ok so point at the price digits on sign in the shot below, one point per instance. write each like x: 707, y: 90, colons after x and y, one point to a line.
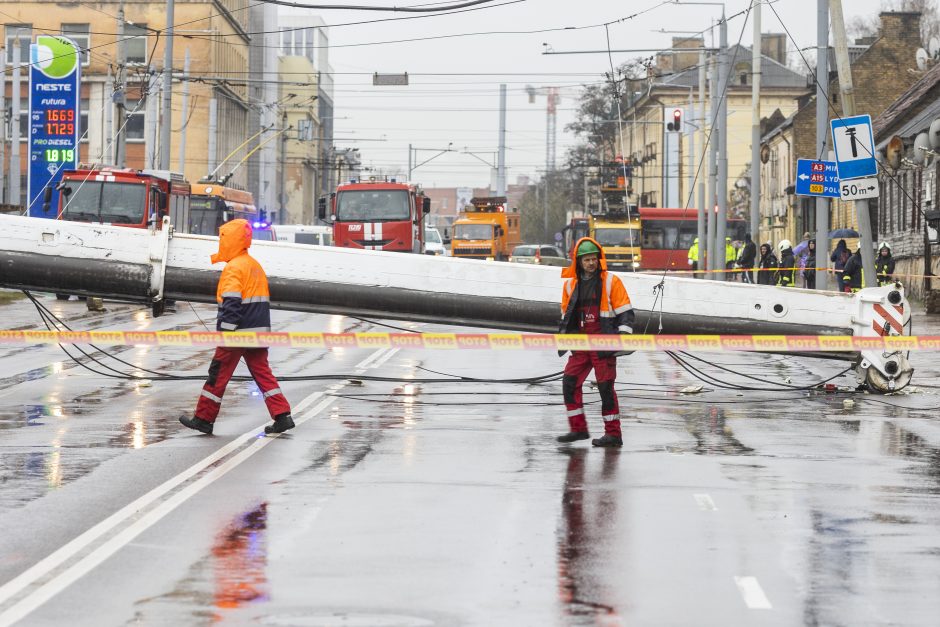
x: 55, y: 155
x: 60, y: 121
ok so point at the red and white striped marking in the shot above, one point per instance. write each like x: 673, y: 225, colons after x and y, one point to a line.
x: 888, y: 319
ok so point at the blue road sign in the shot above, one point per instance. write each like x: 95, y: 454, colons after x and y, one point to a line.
x: 817, y: 178
x: 854, y: 147
x: 54, y: 83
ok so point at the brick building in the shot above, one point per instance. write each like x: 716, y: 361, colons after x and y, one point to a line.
x: 881, y: 71
x: 909, y: 192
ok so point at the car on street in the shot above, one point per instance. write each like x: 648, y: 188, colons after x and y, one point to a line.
x: 538, y: 254
x: 433, y: 243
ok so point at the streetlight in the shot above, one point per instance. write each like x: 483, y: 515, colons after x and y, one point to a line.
x: 414, y: 151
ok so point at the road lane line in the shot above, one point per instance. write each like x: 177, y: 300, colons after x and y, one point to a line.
x: 752, y: 593
x: 705, y: 503
x: 69, y: 550
x: 112, y: 546
x: 381, y: 361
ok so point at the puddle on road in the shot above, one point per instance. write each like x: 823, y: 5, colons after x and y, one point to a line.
x: 588, y: 520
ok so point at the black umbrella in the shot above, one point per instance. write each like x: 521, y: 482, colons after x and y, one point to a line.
x: 840, y: 233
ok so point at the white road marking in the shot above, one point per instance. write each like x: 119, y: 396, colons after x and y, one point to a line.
x: 69, y: 550
x: 705, y: 503
x: 381, y: 361
x: 752, y: 593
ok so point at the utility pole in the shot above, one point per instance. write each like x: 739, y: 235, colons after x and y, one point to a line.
x: 822, y: 132
x: 150, y: 123
x: 724, y: 77
x: 15, y: 124
x: 713, y: 170
x: 410, y: 163
x: 282, y: 178
x: 167, y: 113
x: 183, y: 116
x: 702, y: 244
x: 755, y: 121
x: 3, y: 128
x: 120, y: 94
x: 848, y: 109
x: 501, y: 157
x: 212, y: 149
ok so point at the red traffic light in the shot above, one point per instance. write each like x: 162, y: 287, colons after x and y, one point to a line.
x: 676, y: 120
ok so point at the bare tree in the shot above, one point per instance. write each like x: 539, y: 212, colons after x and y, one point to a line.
x: 861, y: 26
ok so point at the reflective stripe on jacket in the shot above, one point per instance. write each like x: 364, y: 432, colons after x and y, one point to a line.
x: 242, y: 293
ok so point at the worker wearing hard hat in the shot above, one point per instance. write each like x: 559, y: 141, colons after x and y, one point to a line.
x: 593, y: 301
x: 244, y: 305
x: 884, y: 265
x: 787, y: 272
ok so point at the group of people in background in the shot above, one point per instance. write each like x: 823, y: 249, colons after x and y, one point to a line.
x: 796, y: 265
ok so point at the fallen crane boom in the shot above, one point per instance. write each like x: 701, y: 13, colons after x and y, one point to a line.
x: 152, y: 265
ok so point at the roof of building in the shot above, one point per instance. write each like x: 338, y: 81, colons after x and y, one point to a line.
x: 905, y: 101
x: 773, y: 74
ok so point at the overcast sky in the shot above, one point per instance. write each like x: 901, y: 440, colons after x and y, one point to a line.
x: 454, y: 82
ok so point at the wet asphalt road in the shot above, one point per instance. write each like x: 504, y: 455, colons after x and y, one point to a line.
x: 400, y: 504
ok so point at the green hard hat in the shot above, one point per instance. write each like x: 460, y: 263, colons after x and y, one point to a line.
x: 588, y: 248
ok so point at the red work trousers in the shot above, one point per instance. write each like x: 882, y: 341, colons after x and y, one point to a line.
x: 577, y: 369
x: 220, y: 373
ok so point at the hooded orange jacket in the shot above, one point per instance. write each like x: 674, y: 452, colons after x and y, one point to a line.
x: 616, y: 310
x: 242, y: 293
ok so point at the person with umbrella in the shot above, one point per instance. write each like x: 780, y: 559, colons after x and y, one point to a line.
x: 839, y: 257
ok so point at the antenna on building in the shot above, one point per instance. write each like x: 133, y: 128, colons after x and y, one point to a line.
x: 922, y: 57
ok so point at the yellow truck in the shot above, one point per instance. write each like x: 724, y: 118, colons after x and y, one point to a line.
x: 619, y: 233
x: 485, y: 230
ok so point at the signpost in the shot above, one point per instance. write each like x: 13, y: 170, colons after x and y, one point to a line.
x: 859, y: 189
x: 854, y: 147
x: 817, y: 178
x: 54, y: 83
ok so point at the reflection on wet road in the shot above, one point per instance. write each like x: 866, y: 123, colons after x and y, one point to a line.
x: 409, y: 502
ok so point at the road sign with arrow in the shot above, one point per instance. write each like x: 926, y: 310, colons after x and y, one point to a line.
x: 859, y: 189
x: 817, y: 178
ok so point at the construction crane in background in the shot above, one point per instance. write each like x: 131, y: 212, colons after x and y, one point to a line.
x: 553, y: 97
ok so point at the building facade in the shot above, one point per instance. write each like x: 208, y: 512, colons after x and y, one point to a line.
x: 882, y: 69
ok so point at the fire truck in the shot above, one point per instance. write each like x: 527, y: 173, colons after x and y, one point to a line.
x: 125, y: 197
x: 377, y: 215
x: 485, y: 230
x: 616, y: 226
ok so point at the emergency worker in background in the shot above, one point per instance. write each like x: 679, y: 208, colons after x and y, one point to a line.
x: 244, y: 305
x: 592, y: 301
x: 746, y: 257
x: 767, y: 265
x: 693, y: 257
x: 785, y: 275
x: 884, y: 265
x: 852, y: 274
x: 730, y: 256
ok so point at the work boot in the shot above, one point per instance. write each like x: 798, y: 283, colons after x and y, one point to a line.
x: 281, y: 424
x: 197, y: 423
x: 573, y: 436
x: 608, y: 440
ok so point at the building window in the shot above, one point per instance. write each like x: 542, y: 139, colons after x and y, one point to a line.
x: 298, y: 42
x: 135, y: 43
x: 24, y: 34
x: 135, y: 126
x: 81, y: 35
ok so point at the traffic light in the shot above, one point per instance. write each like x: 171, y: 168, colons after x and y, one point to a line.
x: 676, y: 123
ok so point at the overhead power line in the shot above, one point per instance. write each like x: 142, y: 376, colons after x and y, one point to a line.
x: 352, y: 7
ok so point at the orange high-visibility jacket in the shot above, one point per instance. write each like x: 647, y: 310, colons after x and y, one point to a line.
x: 242, y: 294
x: 616, y: 310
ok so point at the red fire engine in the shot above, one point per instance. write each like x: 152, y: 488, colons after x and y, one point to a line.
x: 125, y: 197
x: 377, y: 215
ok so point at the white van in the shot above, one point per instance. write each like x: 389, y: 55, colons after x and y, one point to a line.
x: 303, y: 234
x: 433, y: 244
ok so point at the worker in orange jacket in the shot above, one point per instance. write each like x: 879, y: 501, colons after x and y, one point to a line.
x: 593, y: 300
x: 244, y: 305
